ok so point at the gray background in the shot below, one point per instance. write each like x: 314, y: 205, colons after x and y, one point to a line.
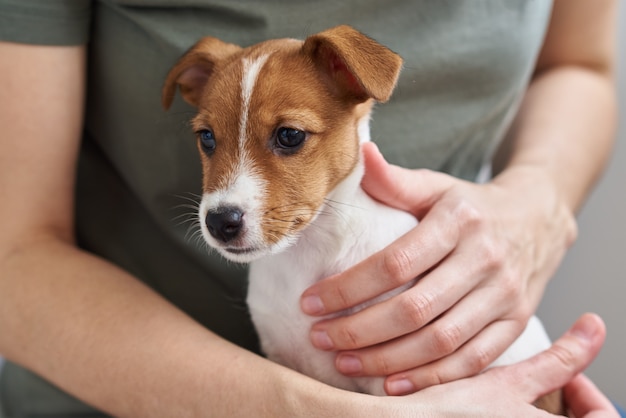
x: 593, y: 275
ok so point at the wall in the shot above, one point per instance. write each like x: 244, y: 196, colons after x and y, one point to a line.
x: 593, y: 276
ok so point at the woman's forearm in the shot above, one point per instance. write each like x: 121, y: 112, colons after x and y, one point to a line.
x: 564, y: 132
x: 565, y: 127
x: 102, y: 335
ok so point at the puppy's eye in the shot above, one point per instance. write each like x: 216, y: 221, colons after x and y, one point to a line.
x: 289, y: 137
x: 207, y: 141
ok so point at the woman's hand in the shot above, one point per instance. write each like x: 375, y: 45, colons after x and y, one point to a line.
x: 484, y: 254
x: 508, y: 391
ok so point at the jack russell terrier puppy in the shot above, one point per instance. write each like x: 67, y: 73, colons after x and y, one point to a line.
x: 279, y: 128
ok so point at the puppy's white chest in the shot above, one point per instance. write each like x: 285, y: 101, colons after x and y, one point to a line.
x: 327, y: 247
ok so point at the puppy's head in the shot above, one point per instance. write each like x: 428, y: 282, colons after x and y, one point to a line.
x: 277, y: 129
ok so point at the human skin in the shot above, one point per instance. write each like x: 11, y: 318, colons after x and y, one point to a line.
x: 485, y: 251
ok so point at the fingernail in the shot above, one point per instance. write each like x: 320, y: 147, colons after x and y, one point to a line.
x: 312, y: 305
x: 348, y: 364
x: 585, y: 329
x: 321, y: 340
x: 400, y: 387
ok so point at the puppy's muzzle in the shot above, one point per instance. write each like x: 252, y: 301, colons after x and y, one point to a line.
x: 225, y: 223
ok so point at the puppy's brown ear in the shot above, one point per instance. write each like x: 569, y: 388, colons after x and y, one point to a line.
x: 193, y: 70
x: 356, y: 66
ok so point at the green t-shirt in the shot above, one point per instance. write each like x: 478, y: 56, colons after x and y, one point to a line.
x: 467, y: 63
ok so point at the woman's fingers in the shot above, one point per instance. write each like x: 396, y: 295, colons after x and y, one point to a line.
x: 393, y: 267
x: 415, y: 354
x: 403, y: 314
x: 584, y: 399
x: 470, y: 359
x: 435, y: 293
x: 555, y: 367
x: 409, y: 190
x: 511, y: 390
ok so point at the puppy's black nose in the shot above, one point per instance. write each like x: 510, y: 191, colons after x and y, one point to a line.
x: 224, y: 224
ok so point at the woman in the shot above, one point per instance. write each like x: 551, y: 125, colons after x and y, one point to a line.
x: 103, y: 295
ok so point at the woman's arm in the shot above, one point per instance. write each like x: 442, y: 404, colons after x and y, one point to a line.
x: 79, y: 321
x: 486, y: 251
x: 565, y: 128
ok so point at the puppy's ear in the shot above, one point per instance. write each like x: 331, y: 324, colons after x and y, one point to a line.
x: 193, y: 70
x: 356, y: 66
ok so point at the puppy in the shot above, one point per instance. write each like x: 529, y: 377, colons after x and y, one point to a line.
x: 279, y: 128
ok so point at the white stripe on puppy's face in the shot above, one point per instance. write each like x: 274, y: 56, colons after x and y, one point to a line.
x: 251, y: 69
x: 244, y: 187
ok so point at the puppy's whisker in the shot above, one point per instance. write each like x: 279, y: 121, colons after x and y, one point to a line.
x: 194, y: 231
x: 188, y: 215
x: 332, y: 203
x: 188, y: 211
x: 192, y: 199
